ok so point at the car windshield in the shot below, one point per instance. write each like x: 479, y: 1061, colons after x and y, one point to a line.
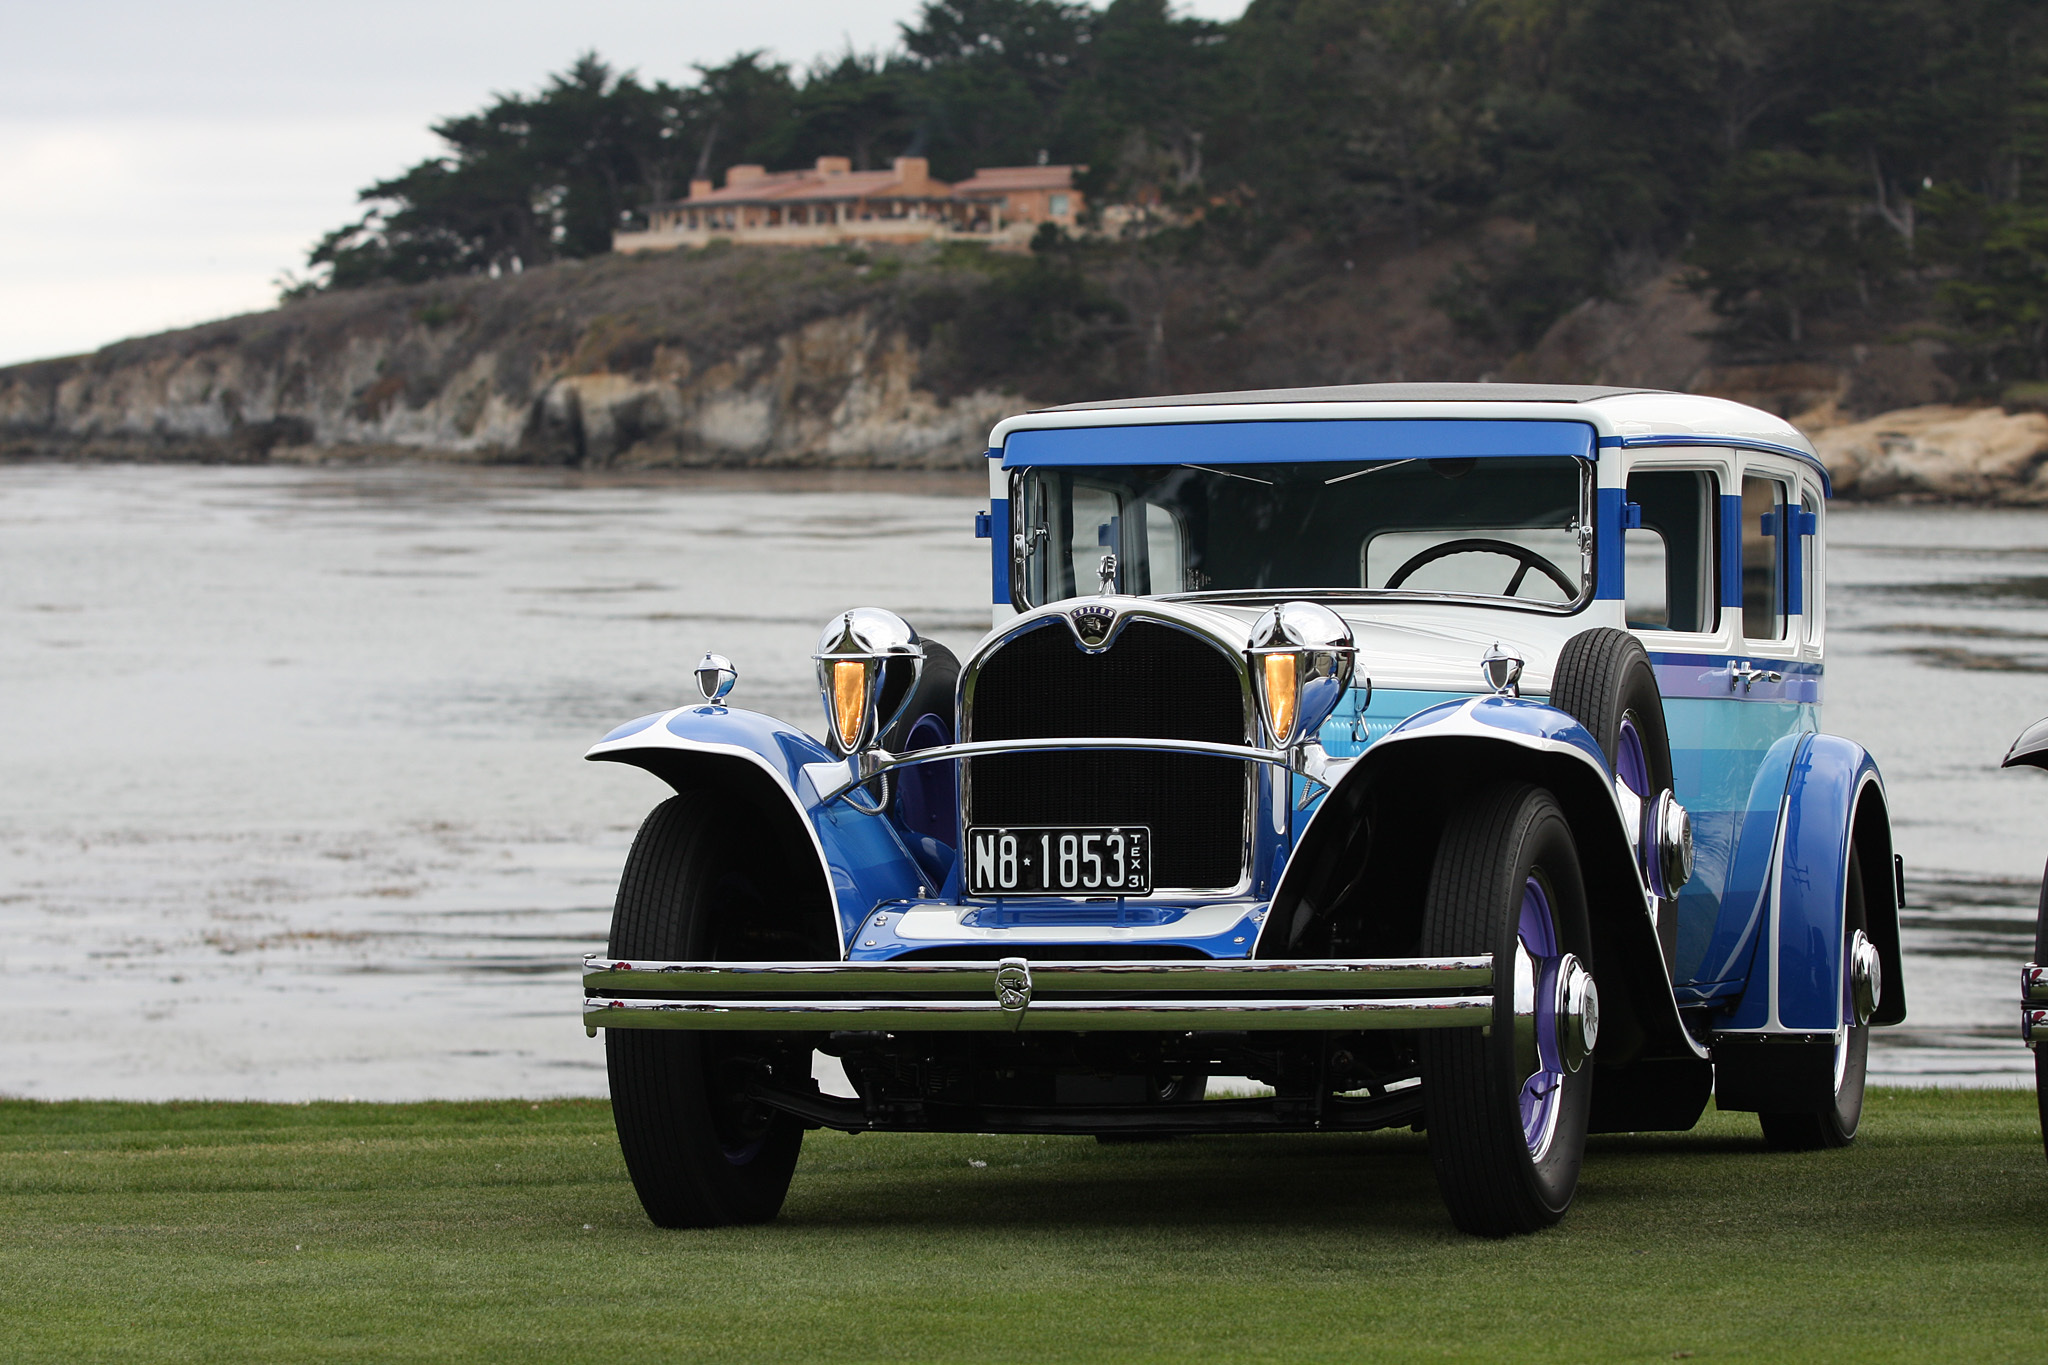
x: 1495, y: 527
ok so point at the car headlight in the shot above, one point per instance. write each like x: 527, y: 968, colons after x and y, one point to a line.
x: 868, y: 664
x: 1301, y: 657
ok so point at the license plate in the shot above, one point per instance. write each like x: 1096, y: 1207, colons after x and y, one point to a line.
x: 1102, y: 860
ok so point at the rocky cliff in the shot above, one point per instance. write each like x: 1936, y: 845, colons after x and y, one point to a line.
x: 742, y: 360
x: 896, y: 358
x: 899, y: 358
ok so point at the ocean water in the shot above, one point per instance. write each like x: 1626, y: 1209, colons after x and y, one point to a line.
x: 291, y: 799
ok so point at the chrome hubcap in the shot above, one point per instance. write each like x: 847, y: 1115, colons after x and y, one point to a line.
x: 1866, y: 978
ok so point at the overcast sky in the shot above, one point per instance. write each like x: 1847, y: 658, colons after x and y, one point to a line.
x: 162, y: 163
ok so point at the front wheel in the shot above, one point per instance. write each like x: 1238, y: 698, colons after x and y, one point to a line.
x: 1507, y: 1106
x: 701, y: 1152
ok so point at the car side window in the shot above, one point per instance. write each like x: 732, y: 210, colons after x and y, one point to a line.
x: 1669, y: 559
x: 1763, y: 559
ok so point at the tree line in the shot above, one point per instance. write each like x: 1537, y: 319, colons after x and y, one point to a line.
x: 1813, y: 162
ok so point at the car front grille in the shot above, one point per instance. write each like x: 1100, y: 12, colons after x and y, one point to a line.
x: 1154, y: 682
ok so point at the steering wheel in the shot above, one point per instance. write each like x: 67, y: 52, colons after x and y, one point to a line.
x: 1524, y: 556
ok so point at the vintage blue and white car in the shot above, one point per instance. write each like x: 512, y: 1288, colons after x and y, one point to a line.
x: 2030, y: 750
x: 1441, y: 755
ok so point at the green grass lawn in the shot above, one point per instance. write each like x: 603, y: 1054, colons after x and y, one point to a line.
x: 508, y: 1231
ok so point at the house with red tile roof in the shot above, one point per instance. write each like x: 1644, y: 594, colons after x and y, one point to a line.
x: 1026, y: 194
x: 832, y: 203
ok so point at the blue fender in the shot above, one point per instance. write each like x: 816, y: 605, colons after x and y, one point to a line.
x: 861, y: 856
x: 1833, y: 800
x: 1532, y: 740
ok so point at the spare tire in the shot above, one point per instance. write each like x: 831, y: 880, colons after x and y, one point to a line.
x: 1604, y: 681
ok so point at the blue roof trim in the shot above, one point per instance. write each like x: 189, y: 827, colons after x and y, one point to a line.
x: 1662, y: 439
x: 1308, y: 439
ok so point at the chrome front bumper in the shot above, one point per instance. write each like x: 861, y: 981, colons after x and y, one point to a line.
x: 1014, y: 994
x: 2034, y: 1004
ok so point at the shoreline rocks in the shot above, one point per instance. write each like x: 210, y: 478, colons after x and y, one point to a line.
x: 1937, y: 453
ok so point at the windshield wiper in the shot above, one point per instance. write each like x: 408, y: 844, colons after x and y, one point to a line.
x: 1374, y: 469
x: 1228, y: 474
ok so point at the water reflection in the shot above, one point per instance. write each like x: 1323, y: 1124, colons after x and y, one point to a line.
x: 291, y: 805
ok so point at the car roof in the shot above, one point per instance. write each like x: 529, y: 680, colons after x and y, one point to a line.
x: 1630, y: 418
x: 1371, y: 393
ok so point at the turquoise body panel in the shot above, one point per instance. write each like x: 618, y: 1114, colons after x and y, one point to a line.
x: 1355, y: 724
x: 1731, y: 757
x: 1729, y: 761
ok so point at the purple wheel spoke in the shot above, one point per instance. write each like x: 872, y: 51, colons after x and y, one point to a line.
x: 1631, y: 765
x: 1536, y: 929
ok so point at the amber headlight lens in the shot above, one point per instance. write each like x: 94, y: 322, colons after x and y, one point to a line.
x: 849, y: 701
x: 868, y: 661
x: 1280, y: 695
x: 1301, y: 656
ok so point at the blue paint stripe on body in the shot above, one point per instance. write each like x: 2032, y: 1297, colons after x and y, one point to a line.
x: 999, y: 549
x: 1731, y: 550
x: 1286, y: 442
x: 1608, y: 507
x: 1709, y: 676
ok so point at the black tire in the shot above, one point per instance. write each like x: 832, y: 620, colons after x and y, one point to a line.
x: 1834, y: 1126
x: 701, y: 1154
x: 2041, y: 1090
x: 1496, y: 1180
x: 924, y: 798
x: 1604, y: 681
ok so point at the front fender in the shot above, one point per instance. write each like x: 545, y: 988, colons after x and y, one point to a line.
x: 1834, y: 800
x: 1435, y: 756
x: 839, y: 856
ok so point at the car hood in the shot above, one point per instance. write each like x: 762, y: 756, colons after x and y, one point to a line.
x: 1425, y: 646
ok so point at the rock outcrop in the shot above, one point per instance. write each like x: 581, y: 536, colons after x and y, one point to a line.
x: 762, y: 357
x: 809, y: 367
x: 1939, y: 453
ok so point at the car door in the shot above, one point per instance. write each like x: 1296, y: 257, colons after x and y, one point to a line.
x: 1720, y: 591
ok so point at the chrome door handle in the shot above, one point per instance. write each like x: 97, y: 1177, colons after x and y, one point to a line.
x: 1744, y: 674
